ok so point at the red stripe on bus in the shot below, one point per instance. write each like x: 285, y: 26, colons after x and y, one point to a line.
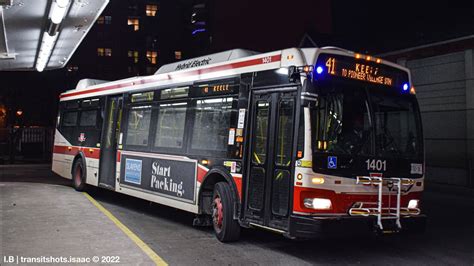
x: 238, y: 184
x: 89, y: 152
x: 201, y: 173
x: 257, y: 61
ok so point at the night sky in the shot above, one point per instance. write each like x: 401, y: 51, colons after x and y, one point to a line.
x: 380, y: 26
x: 363, y: 26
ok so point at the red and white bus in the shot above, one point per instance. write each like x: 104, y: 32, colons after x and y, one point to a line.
x: 303, y: 142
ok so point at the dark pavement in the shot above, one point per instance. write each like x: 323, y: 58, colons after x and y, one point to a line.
x: 449, y: 238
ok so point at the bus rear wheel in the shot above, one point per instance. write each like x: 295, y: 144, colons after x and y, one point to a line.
x: 78, y: 180
x: 225, y: 227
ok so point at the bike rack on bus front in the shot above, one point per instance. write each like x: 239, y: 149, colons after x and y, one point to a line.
x: 376, y: 208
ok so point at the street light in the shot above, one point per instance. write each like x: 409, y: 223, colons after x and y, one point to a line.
x: 19, y: 112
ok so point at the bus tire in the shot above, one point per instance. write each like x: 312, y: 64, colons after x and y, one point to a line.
x: 226, y: 228
x: 78, y: 178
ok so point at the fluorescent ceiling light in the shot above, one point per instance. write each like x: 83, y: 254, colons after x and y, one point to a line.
x: 47, y: 44
x: 58, y: 10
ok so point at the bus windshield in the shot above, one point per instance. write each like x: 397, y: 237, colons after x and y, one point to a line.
x: 357, y: 119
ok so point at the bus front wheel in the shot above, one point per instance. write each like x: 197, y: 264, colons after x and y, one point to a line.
x: 225, y: 227
x: 78, y: 180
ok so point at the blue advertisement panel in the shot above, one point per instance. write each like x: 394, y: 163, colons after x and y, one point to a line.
x: 133, y: 171
x: 170, y: 178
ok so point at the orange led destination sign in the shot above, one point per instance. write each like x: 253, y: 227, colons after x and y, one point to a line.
x: 366, y: 73
x: 359, y: 69
x: 218, y: 89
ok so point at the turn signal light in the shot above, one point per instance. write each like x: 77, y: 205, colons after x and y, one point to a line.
x: 317, y: 180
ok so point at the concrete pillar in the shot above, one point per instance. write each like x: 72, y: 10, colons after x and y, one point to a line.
x: 469, y: 68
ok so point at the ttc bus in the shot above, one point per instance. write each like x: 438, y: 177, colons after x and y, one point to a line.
x: 302, y: 142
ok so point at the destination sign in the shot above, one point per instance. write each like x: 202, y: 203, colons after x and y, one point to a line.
x: 220, y: 88
x: 359, y: 69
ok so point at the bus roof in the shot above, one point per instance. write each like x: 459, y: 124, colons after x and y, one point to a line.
x: 206, y: 60
x: 222, y: 64
x: 183, y: 73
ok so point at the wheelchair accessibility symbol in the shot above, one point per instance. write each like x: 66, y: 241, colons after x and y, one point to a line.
x: 332, y: 162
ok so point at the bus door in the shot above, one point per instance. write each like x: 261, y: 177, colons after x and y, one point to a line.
x: 108, y: 150
x: 271, y: 157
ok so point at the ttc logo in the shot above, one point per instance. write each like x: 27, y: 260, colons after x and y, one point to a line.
x: 82, y: 137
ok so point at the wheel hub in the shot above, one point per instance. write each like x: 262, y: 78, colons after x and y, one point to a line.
x: 217, y: 214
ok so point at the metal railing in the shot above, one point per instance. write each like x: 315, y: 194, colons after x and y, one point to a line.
x: 377, y: 208
x: 33, y: 143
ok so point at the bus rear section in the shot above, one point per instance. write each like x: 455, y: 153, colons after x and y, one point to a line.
x: 362, y: 164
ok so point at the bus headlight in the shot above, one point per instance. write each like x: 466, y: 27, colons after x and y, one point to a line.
x: 412, y: 204
x: 317, y: 203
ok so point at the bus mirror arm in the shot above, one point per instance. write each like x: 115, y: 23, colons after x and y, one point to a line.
x: 293, y: 74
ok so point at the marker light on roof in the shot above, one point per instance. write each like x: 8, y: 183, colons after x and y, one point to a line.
x: 405, y: 87
x: 319, y: 70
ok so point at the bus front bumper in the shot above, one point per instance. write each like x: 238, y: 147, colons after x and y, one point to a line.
x: 307, y: 227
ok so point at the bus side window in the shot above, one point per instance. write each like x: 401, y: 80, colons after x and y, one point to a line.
x: 138, y: 126
x: 170, y: 125
x: 69, y: 119
x: 88, y: 118
x: 212, y: 123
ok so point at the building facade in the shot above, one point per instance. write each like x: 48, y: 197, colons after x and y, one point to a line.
x: 135, y: 37
x: 129, y: 38
x: 443, y: 75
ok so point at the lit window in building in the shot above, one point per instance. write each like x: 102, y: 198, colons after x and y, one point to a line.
x: 151, y: 10
x: 151, y: 56
x: 177, y: 55
x: 100, y: 51
x: 134, y: 55
x: 108, y: 20
x: 134, y: 22
x: 108, y: 52
x: 100, y: 20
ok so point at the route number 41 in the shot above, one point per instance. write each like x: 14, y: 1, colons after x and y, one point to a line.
x: 379, y: 165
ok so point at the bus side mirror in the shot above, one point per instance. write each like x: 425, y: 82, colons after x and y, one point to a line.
x: 293, y: 74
